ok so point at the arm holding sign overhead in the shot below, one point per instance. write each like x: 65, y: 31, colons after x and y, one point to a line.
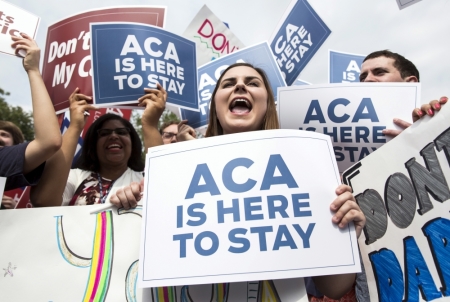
x: 154, y: 102
x: 47, y: 136
x: 50, y: 190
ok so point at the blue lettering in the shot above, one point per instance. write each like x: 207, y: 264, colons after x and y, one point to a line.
x: 364, y: 152
x: 183, y: 238
x: 234, y: 209
x: 179, y: 216
x: 297, y: 205
x: 351, y: 150
x: 438, y: 234
x: 280, y: 209
x: 239, y: 240
x: 198, y: 243
x: 305, y: 235
x: 345, y: 133
x: 262, y: 236
x: 249, y: 208
x: 371, y: 113
x: 339, y: 155
x: 276, y: 161
x: 362, y: 133
x: 331, y: 109
x: 314, y: 106
x: 210, y: 186
x: 279, y: 242
x: 388, y: 275
x: 333, y: 134
x: 378, y: 136
x: 196, y: 214
x: 227, y: 175
x: 417, y: 274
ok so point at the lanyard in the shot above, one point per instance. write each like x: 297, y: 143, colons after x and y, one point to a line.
x: 103, y: 197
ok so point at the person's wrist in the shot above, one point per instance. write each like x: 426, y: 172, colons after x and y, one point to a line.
x: 33, y: 71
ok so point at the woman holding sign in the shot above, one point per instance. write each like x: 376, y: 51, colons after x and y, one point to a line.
x: 243, y: 101
x: 110, y: 157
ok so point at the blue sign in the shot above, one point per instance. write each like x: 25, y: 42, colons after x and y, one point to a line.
x: 345, y: 67
x: 298, y: 39
x: 126, y: 58
x: 259, y: 55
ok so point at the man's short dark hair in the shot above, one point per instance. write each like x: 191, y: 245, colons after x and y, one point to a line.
x: 167, y: 124
x: 15, y: 132
x: 403, y: 65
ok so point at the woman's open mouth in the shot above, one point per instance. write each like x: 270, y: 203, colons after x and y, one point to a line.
x: 240, y: 106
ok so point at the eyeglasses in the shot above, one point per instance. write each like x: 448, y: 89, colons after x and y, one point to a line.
x: 168, y: 135
x: 119, y: 131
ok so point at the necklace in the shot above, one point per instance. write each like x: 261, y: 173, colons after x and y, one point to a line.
x: 103, y: 197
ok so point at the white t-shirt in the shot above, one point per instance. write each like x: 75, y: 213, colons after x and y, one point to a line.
x: 77, y: 176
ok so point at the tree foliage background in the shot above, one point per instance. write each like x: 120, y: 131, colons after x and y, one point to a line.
x: 15, y: 114
x: 136, y: 121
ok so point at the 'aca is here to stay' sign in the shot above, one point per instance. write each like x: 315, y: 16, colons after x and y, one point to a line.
x: 233, y: 214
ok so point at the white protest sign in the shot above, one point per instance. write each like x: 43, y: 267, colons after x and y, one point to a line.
x: 2, y: 186
x: 403, y: 190
x: 213, y: 38
x: 57, y: 253
x: 69, y: 254
x: 13, y: 21
x: 405, y: 3
x: 354, y: 115
x: 231, y: 214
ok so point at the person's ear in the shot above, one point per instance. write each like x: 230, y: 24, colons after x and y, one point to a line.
x: 411, y: 79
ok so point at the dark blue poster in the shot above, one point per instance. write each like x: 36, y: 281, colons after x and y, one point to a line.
x: 344, y: 67
x: 128, y: 57
x: 300, y: 34
x: 258, y: 55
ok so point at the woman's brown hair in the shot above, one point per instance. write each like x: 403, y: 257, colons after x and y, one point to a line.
x: 270, y: 118
x: 16, y: 134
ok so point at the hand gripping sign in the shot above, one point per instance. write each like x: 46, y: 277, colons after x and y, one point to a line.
x: 129, y: 57
x: 67, y: 60
x: 354, y: 115
x: 403, y: 190
x: 232, y: 214
x: 13, y: 21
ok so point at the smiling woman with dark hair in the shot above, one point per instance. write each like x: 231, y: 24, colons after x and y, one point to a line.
x: 89, y: 159
x: 110, y: 159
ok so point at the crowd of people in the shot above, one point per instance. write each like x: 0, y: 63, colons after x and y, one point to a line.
x: 110, y: 167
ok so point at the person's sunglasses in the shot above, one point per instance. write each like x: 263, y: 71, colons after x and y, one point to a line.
x: 119, y: 131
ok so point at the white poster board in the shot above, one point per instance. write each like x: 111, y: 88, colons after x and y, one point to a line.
x: 2, y: 187
x: 13, y: 21
x: 353, y: 114
x: 226, y: 213
x: 403, y: 189
x: 212, y: 37
x: 55, y: 254
x: 69, y: 254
